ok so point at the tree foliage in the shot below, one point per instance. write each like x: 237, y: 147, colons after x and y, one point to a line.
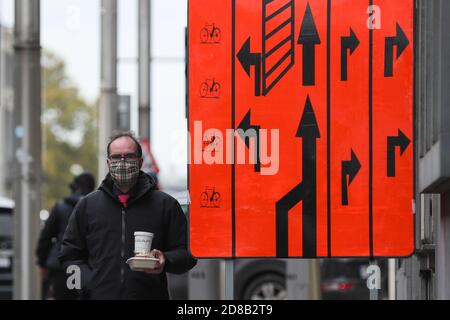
x: 69, y: 127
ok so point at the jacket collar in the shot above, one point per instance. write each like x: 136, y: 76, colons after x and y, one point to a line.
x: 144, y: 184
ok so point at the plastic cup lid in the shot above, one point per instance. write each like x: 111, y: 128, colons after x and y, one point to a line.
x: 142, y: 233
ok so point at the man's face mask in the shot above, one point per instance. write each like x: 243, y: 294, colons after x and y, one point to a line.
x: 124, y: 170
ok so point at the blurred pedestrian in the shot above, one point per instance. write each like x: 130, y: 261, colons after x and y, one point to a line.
x: 51, y: 236
x: 100, y: 235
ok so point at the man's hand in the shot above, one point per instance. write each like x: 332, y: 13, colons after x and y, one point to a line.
x: 159, y: 266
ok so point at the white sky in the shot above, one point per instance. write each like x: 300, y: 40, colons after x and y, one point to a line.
x: 71, y: 29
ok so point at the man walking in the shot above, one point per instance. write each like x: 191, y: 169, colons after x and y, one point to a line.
x: 51, y: 236
x: 100, y: 235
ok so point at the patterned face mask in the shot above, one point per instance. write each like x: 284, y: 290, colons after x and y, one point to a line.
x: 124, y: 172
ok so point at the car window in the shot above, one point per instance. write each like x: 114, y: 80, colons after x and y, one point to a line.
x: 341, y: 268
x: 6, y: 225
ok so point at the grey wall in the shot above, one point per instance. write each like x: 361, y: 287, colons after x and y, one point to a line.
x: 426, y: 275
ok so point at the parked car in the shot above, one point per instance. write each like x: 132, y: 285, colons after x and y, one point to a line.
x: 260, y: 279
x: 6, y: 248
x: 345, y: 279
x: 254, y: 278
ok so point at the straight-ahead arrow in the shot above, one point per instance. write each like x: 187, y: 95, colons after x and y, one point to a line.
x: 401, y: 42
x: 349, y: 43
x: 349, y: 169
x: 305, y: 191
x: 400, y: 141
x: 245, y: 133
x: 309, y: 38
x: 248, y: 59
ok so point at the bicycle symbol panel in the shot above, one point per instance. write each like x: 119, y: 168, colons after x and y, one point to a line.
x: 211, y: 144
x: 210, y: 34
x: 210, y: 88
x: 210, y: 198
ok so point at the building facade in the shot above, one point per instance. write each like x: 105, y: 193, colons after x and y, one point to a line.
x: 426, y: 274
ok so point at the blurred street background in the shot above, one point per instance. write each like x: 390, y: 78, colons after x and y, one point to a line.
x: 72, y: 71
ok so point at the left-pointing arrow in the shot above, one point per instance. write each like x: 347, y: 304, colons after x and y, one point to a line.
x: 309, y: 38
x: 349, y: 43
x: 349, y: 169
x: 247, y: 130
x: 248, y: 59
x: 400, y: 141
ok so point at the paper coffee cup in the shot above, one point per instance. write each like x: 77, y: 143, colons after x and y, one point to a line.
x: 142, y: 243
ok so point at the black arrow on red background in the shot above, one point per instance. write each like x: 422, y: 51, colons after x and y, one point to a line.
x: 248, y: 59
x: 244, y: 126
x: 401, y: 42
x: 400, y: 141
x: 349, y: 43
x: 309, y: 38
x: 305, y: 191
x: 349, y: 169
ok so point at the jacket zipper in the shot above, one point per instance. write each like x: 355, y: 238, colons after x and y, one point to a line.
x: 122, y: 271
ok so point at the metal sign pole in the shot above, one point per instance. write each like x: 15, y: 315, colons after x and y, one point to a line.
x: 107, y: 116
x: 229, y: 279
x: 144, y: 87
x: 374, y: 290
x: 28, y: 171
x: 391, y: 279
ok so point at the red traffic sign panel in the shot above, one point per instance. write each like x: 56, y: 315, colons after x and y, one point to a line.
x: 301, y: 128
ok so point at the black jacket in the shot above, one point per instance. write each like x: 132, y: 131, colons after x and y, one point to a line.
x: 49, y: 243
x: 93, y: 241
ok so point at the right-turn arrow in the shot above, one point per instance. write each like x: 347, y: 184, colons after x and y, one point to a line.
x: 400, y: 141
x: 401, y: 42
x: 349, y: 43
x: 248, y: 59
x: 349, y: 169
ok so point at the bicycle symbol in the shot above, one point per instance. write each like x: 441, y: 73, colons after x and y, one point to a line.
x: 210, y: 89
x: 210, y: 198
x: 211, y: 143
x: 210, y: 34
